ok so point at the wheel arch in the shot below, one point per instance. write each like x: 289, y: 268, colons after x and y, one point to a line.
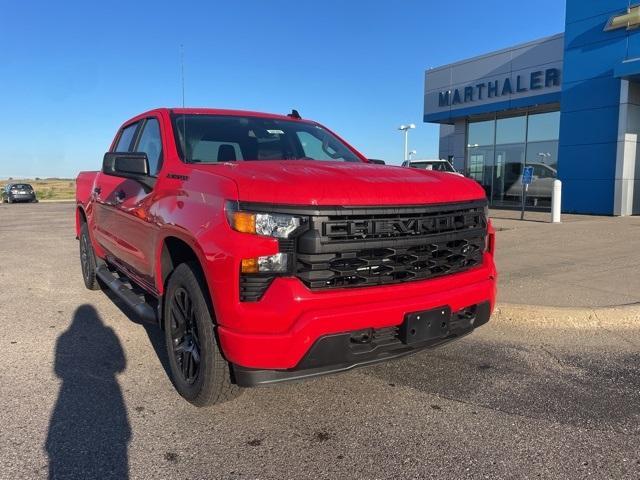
x: 81, y: 217
x: 173, y: 251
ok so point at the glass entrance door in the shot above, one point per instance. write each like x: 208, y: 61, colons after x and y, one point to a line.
x: 480, y: 153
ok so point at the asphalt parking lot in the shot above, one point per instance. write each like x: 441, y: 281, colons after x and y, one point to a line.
x: 85, y: 394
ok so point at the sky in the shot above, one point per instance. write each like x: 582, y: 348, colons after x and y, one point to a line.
x: 72, y: 72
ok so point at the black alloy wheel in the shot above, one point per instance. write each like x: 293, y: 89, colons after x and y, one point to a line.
x: 199, y: 371
x: 84, y: 257
x: 184, y: 335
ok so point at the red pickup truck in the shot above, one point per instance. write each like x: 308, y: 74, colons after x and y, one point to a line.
x: 269, y: 249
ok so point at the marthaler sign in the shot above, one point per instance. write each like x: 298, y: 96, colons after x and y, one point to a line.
x: 536, y: 80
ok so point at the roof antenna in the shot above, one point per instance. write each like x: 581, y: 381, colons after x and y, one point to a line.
x: 182, y: 70
x: 184, y: 118
x: 294, y: 114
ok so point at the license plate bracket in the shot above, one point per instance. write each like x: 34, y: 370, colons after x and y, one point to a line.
x: 424, y: 326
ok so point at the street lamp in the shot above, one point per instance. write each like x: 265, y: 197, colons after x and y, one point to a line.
x: 405, y: 129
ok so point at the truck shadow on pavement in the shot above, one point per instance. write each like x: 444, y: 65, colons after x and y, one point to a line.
x: 89, y: 429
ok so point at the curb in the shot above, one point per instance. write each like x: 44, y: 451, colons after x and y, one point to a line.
x: 570, y: 317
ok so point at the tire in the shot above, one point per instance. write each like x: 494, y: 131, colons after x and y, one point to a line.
x: 88, y: 260
x: 198, y: 370
x: 9, y: 200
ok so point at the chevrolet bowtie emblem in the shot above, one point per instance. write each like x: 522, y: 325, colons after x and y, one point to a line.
x: 629, y: 20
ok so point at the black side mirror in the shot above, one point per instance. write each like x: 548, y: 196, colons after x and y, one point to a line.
x: 376, y: 161
x: 133, y: 165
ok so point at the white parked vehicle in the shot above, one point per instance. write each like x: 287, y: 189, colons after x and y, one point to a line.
x: 437, y: 165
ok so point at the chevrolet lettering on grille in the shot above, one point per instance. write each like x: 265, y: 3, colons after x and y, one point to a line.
x: 398, y: 227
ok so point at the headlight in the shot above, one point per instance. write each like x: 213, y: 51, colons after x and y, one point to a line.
x: 278, y: 263
x: 276, y: 225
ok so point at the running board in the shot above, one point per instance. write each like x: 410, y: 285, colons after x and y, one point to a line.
x: 124, y: 293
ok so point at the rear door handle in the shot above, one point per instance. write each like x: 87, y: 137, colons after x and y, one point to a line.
x: 97, y: 190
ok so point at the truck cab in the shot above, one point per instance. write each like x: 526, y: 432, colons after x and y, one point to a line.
x: 271, y: 250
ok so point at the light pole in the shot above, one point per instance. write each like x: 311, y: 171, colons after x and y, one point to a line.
x: 405, y: 129
x: 411, y: 154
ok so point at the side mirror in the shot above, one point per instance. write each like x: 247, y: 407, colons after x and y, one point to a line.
x: 133, y: 165
x: 376, y: 161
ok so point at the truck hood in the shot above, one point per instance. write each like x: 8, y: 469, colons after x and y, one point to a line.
x: 302, y: 182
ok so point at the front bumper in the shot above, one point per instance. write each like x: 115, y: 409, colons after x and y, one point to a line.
x: 345, y: 351
x: 278, y: 332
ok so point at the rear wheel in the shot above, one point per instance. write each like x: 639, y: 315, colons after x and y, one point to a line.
x: 9, y: 199
x: 199, y: 372
x: 88, y: 260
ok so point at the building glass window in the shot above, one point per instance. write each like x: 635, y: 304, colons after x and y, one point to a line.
x: 498, y: 150
x: 481, y: 133
x: 543, y: 126
x: 481, y: 140
x: 511, y: 130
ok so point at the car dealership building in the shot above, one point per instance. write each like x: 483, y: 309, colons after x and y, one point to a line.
x: 567, y: 105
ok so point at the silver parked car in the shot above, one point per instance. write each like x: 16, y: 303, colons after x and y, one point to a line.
x: 541, y: 185
x: 437, y: 165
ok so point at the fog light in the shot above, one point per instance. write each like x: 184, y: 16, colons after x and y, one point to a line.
x: 277, y: 263
x: 249, y: 265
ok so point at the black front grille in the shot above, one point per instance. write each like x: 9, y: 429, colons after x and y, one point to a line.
x: 364, y: 246
x: 386, y: 246
x: 379, y: 266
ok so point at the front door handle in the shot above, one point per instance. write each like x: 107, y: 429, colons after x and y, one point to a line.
x: 97, y: 190
x: 120, y: 196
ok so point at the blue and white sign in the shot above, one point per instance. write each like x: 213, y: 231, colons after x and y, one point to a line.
x: 527, y: 175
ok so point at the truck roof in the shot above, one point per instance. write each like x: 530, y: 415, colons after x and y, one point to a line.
x: 217, y: 111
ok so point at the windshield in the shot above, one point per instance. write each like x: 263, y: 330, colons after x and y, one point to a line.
x: 437, y: 166
x: 21, y: 186
x: 218, y: 138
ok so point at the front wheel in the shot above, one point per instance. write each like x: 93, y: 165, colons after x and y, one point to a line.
x: 198, y: 370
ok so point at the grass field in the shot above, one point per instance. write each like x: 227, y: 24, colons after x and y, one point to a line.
x: 49, y: 188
